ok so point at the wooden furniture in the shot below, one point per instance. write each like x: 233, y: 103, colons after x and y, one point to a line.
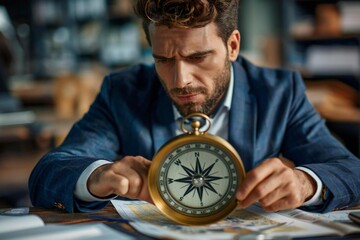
x: 321, y: 39
x: 108, y: 216
x: 55, y: 216
x: 59, y: 217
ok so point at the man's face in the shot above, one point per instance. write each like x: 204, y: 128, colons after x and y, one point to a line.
x: 193, y: 66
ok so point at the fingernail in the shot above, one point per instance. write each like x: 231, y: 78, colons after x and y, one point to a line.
x: 239, y: 196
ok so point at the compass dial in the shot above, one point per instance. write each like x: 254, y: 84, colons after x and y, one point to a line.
x: 193, y: 177
x: 198, y: 179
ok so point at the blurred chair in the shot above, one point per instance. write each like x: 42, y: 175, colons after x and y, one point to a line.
x: 66, y: 92
x: 334, y: 100
x: 74, y: 93
x: 338, y: 104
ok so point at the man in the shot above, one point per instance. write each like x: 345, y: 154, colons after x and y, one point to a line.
x: 262, y: 112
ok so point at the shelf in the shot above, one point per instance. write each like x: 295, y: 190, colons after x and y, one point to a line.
x: 312, y: 2
x: 327, y: 76
x: 322, y: 42
x: 119, y: 20
x: 83, y: 34
x: 31, y: 92
x: 354, y: 37
x: 350, y: 80
x: 317, y: 34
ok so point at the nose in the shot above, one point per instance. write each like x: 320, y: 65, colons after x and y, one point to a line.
x: 182, y: 74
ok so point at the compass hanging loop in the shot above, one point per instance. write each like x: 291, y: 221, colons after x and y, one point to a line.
x: 196, y: 123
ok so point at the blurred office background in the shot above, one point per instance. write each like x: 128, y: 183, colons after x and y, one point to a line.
x: 54, y: 54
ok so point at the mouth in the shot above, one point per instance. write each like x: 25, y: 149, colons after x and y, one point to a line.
x: 185, y: 98
x: 188, y: 95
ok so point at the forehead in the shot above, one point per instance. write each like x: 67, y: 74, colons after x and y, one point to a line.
x: 165, y: 40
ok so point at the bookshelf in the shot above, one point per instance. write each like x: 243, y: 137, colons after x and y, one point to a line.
x: 322, y: 31
x: 71, y: 34
x: 321, y: 40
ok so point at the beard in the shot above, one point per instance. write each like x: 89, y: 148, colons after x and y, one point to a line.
x: 221, y: 83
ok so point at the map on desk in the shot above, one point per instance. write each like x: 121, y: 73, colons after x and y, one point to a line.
x: 147, y: 219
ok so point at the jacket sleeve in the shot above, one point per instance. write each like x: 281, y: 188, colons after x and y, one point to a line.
x: 308, y: 143
x: 94, y: 137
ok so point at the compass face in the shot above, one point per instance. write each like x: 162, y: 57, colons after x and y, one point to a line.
x: 193, y: 179
x: 198, y: 179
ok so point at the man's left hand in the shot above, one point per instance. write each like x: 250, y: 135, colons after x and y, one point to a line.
x: 275, y: 186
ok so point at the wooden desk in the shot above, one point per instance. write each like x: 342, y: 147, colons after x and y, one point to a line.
x: 55, y: 216
x: 59, y: 217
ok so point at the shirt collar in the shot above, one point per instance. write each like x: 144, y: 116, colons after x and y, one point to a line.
x: 224, y: 104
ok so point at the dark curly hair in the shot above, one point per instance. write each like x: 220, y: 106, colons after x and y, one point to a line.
x: 189, y: 14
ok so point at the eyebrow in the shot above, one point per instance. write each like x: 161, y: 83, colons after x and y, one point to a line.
x: 195, y: 54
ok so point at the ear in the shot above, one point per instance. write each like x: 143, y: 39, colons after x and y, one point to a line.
x: 233, y: 45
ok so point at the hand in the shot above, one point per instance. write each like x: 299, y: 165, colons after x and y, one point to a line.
x: 126, y: 177
x: 276, y: 186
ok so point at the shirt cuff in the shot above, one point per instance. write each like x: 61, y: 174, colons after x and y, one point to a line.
x: 316, y: 199
x: 81, y: 191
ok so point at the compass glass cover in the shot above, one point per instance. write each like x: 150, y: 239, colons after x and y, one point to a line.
x: 198, y: 179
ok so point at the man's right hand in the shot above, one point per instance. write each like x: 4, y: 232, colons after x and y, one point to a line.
x: 126, y: 177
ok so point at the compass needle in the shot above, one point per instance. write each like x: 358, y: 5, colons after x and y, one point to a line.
x: 198, y: 168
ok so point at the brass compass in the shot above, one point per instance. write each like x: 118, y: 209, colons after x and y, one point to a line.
x: 193, y: 177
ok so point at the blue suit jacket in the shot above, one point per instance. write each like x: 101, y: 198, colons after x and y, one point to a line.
x: 132, y: 115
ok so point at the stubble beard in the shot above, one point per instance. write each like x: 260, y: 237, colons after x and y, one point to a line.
x: 221, y: 82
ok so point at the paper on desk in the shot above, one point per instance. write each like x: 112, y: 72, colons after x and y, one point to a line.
x: 96, y: 231
x: 13, y: 223
x: 147, y: 219
x: 338, y: 220
x: 336, y: 216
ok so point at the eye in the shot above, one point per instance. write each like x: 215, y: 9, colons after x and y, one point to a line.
x: 198, y: 58
x: 163, y: 60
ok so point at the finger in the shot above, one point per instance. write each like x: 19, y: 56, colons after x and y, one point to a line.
x: 282, y: 204
x: 98, y: 182
x: 144, y: 193
x: 135, y: 184
x: 261, y: 191
x: 136, y: 170
x: 135, y: 162
x: 128, y: 182
x: 280, y: 184
x: 274, y: 196
x: 288, y: 191
x: 254, y: 178
x: 119, y: 184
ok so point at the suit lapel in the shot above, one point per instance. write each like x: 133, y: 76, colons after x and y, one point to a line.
x: 243, y: 115
x: 163, y: 123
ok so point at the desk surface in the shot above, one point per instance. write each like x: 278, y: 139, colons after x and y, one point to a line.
x: 57, y: 216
